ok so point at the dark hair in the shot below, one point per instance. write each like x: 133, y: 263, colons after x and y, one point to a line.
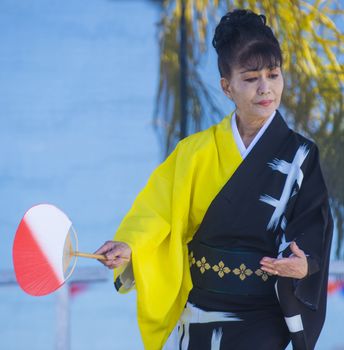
x: 243, y: 39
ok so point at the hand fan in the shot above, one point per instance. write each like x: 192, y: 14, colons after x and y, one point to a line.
x: 45, y: 250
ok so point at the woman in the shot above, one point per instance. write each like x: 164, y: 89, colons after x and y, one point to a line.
x: 229, y: 241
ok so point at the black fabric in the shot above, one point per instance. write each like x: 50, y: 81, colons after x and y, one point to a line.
x: 263, y: 329
x: 213, y: 301
x: 236, y: 217
x: 313, y: 221
x: 313, y: 266
x: 243, y: 215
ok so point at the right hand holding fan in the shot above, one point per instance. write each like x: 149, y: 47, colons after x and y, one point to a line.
x: 117, y: 253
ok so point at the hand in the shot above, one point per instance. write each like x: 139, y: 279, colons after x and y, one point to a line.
x: 295, y: 266
x: 117, y: 254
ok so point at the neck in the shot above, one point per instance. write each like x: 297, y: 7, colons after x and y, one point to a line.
x: 249, y: 127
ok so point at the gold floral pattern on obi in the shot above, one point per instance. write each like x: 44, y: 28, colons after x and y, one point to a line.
x: 242, y: 271
x: 202, y: 264
x: 265, y: 275
x: 221, y: 269
x: 192, y: 260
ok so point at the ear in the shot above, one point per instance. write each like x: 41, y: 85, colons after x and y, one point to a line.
x: 226, y: 87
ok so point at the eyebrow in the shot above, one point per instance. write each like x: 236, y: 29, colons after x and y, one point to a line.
x: 256, y: 70
x: 249, y: 70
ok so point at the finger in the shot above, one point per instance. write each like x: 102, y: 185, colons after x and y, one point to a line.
x: 104, y: 262
x: 105, y: 247
x: 109, y: 263
x: 110, y: 266
x: 267, y: 259
x: 268, y: 265
x: 115, y: 254
x: 296, y: 250
x: 270, y: 270
x: 269, y: 262
x: 283, y: 262
x: 115, y: 263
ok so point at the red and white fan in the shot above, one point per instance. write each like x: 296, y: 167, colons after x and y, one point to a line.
x: 45, y: 250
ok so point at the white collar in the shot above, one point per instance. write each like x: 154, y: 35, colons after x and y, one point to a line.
x: 242, y: 148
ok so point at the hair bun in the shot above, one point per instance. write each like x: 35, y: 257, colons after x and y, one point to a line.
x: 231, y: 24
x: 243, y: 17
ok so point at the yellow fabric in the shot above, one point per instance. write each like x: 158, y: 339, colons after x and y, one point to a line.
x: 163, y: 219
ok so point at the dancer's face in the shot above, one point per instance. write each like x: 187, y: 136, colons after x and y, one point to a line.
x: 256, y: 93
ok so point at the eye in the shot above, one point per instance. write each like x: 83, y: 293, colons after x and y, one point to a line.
x: 251, y: 80
x: 273, y: 76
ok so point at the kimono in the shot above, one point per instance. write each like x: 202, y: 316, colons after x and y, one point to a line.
x: 277, y: 190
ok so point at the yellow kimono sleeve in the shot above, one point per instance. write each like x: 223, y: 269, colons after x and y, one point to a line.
x: 157, y: 256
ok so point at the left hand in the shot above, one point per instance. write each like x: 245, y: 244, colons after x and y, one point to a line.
x: 295, y: 266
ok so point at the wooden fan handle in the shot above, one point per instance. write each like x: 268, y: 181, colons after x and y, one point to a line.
x: 94, y: 256
x: 91, y: 256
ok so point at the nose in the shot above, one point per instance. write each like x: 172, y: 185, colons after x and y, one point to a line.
x: 263, y: 87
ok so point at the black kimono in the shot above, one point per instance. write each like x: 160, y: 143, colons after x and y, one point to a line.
x: 276, y: 196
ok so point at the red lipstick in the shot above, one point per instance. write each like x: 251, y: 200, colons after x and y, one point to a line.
x: 265, y: 103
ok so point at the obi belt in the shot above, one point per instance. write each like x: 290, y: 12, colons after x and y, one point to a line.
x: 232, y: 271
